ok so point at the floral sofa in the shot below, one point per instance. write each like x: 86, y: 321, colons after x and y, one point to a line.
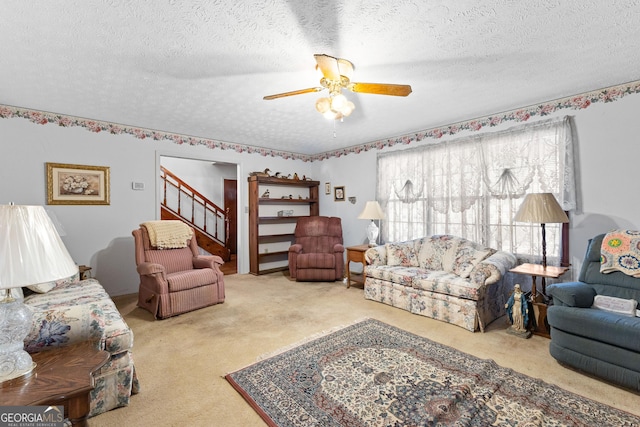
x: 70, y: 311
x: 444, y: 277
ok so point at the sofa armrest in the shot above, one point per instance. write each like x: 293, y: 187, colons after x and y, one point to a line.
x: 491, y: 269
x: 485, y: 273
x: 296, y: 248
x: 338, y: 248
x: 207, y: 261
x: 572, y: 294
x: 376, y: 255
x: 62, y: 326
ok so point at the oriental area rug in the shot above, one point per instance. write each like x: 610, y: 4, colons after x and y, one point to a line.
x: 373, y: 374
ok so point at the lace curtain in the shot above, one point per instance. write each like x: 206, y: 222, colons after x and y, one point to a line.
x: 472, y: 187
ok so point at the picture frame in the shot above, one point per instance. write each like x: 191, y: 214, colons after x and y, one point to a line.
x: 339, y: 194
x: 327, y: 188
x: 69, y: 184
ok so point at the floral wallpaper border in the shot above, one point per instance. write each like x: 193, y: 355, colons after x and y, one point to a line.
x: 576, y: 102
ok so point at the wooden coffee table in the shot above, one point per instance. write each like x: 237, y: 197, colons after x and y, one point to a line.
x: 62, y: 376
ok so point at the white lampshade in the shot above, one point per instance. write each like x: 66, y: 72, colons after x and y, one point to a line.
x: 541, y: 208
x: 372, y: 210
x: 31, y: 253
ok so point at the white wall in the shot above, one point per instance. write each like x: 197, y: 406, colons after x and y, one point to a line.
x: 608, y: 150
x: 100, y: 236
x: 359, y: 181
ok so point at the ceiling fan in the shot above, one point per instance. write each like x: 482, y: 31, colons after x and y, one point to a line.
x: 337, y: 74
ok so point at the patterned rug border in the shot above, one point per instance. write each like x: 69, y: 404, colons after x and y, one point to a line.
x: 606, y: 412
x: 308, y: 339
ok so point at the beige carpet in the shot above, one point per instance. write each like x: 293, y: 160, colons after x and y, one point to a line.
x: 181, y: 361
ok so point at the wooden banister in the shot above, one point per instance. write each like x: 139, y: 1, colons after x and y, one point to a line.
x: 201, y: 213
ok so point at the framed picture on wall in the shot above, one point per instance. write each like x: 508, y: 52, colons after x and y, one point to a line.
x: 77, y: 184
x: 327, y: 188
x: 338, y: 194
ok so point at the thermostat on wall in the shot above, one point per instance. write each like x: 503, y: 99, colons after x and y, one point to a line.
x: 137, y: 185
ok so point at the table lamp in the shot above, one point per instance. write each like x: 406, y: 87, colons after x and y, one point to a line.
x: 372, y: 211
x: 541, y: 208
x: 32, y: 253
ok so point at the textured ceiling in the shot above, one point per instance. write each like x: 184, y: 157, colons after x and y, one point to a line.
x: 201, y: 67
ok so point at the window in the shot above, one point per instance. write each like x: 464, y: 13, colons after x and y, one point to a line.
x: 472, y: 187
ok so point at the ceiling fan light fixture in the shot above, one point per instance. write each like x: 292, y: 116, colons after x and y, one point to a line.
x: 323, y: 105
x: 331, y: 115
x: 336, y: 74
x: 348, y: 109
x: 339, y: 102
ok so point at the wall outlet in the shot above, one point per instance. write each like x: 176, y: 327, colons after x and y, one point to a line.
x: 137, y: 185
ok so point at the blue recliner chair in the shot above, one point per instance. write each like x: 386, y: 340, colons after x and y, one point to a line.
x: 602, y: 343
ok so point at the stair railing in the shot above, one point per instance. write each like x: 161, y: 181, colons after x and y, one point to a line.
x: 190, y: 205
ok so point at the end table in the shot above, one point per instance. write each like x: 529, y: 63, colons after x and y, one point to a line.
x: 356, y: 254
x: 538, y: 300
x: 62, y: 376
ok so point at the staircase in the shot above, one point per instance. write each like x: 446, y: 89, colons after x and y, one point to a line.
x: 210, y: 222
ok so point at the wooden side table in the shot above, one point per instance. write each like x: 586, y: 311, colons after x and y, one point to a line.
x: 538, y: 300
x: 356, y: 254
x: 62, y: 376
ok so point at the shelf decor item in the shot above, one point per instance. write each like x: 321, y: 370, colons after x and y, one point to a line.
x: 77, y: 184
x: 339, y: 194
x: 32, y: 254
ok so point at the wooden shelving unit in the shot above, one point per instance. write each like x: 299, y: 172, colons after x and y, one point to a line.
x: 270, y: 234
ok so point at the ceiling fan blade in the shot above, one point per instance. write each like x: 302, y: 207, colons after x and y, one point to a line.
x: 329, y: 66
x: 380, y: 89
x: 295, y: 92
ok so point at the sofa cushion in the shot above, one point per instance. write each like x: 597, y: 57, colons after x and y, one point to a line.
x: 599, y: 325
x: 395, y: 273
x: 402, y: 253
x: 467, y: 256
x: 43, y: 288
x: 437, y: 252
x: 190, y: 279
x: 447, y: 283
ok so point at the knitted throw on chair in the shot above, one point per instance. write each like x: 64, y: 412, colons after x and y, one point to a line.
x: 620, y: 251
x: 168, y: 234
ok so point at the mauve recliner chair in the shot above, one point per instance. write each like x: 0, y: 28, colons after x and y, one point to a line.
x: 318, y: 252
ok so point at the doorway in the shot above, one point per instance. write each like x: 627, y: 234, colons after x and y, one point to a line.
x: 231, y: 207
x: 217, y: 181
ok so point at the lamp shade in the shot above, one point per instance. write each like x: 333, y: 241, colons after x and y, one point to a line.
x: 540, y: 208
x: 32, y: 251
x: 372, y: 210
